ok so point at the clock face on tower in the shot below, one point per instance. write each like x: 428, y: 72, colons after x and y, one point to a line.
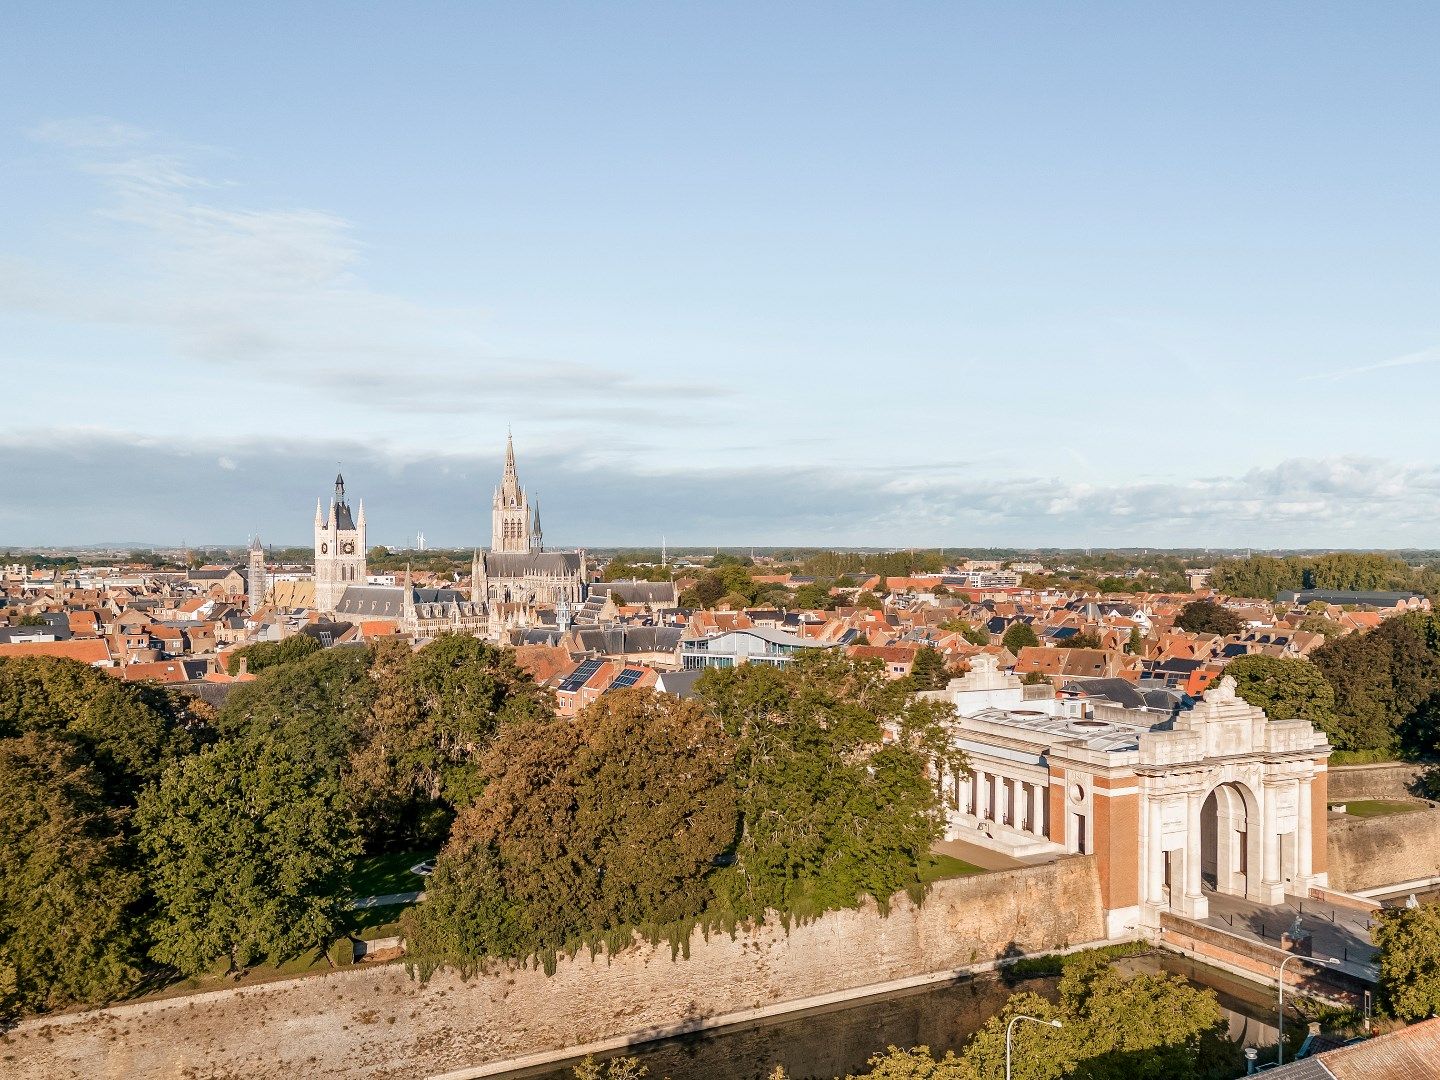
x: 348, y: 547
x: 324, y: 549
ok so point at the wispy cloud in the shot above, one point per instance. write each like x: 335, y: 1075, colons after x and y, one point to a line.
x: 1424, y: 356
x: 282, y: 292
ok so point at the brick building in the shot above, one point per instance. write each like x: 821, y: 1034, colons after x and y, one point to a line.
x: 1176, y: 803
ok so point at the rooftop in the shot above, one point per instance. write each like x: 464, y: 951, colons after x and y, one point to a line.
x: 1106, y: 736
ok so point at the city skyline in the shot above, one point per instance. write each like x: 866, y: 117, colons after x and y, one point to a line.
x: 1117, y: 277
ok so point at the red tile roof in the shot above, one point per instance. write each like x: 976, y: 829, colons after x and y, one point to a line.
x: 85, y: 650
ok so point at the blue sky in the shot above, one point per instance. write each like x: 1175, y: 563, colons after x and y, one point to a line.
x: 834, y: 273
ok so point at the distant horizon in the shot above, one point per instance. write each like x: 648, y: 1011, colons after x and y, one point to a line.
x: 960, y: 551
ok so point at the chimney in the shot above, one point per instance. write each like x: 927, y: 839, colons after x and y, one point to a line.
x: 243, y: 668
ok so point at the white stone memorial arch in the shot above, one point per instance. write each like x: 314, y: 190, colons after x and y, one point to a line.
x: 1230, y: 800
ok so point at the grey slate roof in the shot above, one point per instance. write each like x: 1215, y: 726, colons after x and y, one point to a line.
x: 631, y: 639
x: 388, y: 601
x: 1337, y: 596
x: 637, y: 592
x: 679, y: 683
x: 520, y: 563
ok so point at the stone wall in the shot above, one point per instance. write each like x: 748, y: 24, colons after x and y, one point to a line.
x: 375, y: 1023
x: 1388, y: 781
x: 1369, y: 853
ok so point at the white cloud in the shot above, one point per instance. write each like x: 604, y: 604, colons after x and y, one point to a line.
x: 154, y: 492
x: 282, y: 293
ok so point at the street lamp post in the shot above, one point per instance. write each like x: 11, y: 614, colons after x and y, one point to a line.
x: 1010, y: 1027
x: 1328, y: 961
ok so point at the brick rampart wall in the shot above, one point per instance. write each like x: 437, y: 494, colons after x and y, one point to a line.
x: 1368, y: 853
x: 1388, y: 781
x: 377, y: 1024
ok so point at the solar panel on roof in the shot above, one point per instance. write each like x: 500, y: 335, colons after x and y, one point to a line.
x: 628, y: 677
x: 581, y: 675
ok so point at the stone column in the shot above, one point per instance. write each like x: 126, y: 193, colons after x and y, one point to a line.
x: 1303, y: 827
x: 1154, y: 858
x: 1272, y: 889
x: 1196, y: 906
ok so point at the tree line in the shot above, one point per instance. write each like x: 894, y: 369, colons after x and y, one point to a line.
x: 1264, y: 576
x: 145, y: 836
x: 1377, y: 691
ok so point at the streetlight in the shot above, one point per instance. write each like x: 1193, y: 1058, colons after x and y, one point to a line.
x: 1328, y: 961
x: 1010, y: 1027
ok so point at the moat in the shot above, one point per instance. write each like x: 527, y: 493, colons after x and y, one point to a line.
x: 825, y: 1043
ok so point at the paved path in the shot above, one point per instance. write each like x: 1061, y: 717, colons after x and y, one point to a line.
x: 1338, y: 932
x: 364, y: 903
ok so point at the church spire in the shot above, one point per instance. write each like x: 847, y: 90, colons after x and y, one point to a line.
x: 537, y: 537
x: 510, y: 456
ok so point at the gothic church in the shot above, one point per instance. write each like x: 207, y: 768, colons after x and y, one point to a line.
x: 508, y: 583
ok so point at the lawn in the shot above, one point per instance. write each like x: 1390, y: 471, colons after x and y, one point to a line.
x: 381, y: 875
x: 376, y: 922
x: 947, y: 866
x: 1367, y: 808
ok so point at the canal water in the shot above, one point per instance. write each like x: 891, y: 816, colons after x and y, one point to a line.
x: 824, y: 1043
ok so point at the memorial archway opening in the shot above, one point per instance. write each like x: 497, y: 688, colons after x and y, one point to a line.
x: 1230, y: 838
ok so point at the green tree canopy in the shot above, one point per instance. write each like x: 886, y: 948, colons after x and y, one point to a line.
x: 1381, y: 679
x: 1135, y: 646
x: 929, y: 672
x: 829, y: 812
x: 1019, y: 635
x: 1260, y: 576
x: 435, y: 714
x: 1085, y: 639
x: 1116, y: 1026
x: 1285, y: 688
x: 1208, y: 617
x: 128, y: 732
x: 319, y: 699
x: 69, y: 931
x: 814, y: 595
x: 586, y: 827
x: 248, y: 846
x: 1409, y: 944
x: 268, y: 654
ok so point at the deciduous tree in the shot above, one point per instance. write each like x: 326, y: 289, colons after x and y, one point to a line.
x: 69, y: 897
x: 829, y: 810
x: 1019, y: 635
x: 248, y: 844
x: 127, y: 732
x: 1285, y: 688
x: 1208, y: 617
x: 586, y: 827
x: 1409, y: 944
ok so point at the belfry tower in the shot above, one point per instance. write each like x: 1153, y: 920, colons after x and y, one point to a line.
x: 255, y: 584
x: 510, y: 515
x: 339, y: 549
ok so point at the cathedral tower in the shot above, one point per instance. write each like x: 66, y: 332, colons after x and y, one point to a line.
x: 339, y: 549
x: 510, y: 515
